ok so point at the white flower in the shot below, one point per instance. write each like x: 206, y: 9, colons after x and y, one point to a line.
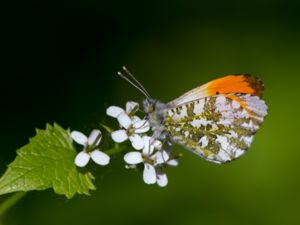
x: 161, y: 179
x: 131, y: 108
x: 152, y: 160
x: 90, y: 149
x: 163, y: 157
x: 133, y: 125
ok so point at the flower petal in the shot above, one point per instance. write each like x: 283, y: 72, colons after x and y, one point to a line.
x: 173, y: 162
x: 99, y: 157
x: 136, y: 141
x: 132, y: 107
x: 135, y: 119
x: 147, y: 150
x: 162, y: 179
x: 82, y: 159
x: 119, y: 136
x: 133, y: 157
x: 79, y: 137
x: 149, y: 174
x: 141, y: 126
x: 95, y: 137
x: 157, y: 144
x: 124, y: 120
x: 161, y: 157
x: 114, y: 111
x: 130, y: 166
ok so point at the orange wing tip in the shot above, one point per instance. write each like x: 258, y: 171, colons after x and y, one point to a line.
x: 241, y: 83
x: 256, y: 84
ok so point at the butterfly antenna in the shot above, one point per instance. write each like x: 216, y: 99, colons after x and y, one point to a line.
x: 133, y: 81
x: 134, y: 85
x: 133, y: 77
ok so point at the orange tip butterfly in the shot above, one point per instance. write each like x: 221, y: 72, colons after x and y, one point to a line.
x: 217, y: 120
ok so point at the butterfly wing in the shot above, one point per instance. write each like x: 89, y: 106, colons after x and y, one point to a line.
x: 241, y: 83
x: 218, y: 124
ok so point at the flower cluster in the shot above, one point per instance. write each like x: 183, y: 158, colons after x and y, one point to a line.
x: 154, y: 158
x: 153, y: 154
x: 132, y: 127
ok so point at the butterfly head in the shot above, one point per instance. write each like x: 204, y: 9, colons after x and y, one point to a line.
x: 149, y: 105
x: 153, y: 108
x: 155, y: 111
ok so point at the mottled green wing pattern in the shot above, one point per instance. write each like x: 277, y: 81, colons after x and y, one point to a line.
x: 218, y: 128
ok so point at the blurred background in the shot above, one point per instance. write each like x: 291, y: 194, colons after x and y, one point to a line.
x: 59, y: 63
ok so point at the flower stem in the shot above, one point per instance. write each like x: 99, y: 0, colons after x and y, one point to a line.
x: 117, y: 149
x: 10, y: 202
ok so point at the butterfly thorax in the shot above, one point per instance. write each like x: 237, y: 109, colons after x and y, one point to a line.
x: 156, y: 112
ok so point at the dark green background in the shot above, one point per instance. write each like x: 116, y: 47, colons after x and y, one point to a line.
x: 59, y: 63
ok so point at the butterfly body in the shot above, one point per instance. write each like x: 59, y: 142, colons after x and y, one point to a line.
x: 217, y: 120
x: 156, y: 112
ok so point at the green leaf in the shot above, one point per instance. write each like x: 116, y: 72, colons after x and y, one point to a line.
x: 47, y: 162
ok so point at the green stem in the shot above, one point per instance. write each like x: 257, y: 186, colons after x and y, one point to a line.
x: 10, y: 202
x: 115, y: 150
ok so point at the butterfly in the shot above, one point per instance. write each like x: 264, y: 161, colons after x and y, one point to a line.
x: 217, y: 120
